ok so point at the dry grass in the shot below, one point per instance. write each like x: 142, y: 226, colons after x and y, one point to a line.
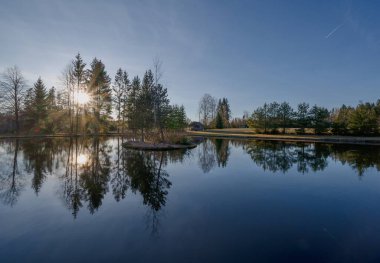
x: 251, y: 134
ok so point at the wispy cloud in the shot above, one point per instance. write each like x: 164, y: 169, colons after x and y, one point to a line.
x: 332, y: 32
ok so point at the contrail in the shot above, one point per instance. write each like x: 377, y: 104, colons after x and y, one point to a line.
x: 334, y: 30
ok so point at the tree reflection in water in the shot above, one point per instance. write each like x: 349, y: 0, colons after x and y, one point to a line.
x: 39, y: 157
x: 278, y: 156
x: 120, y: 181
x: 206, y: 156
x: 222, y: 149
x: 12, y: 181
x: 281, y: 156
x: 89, y: 168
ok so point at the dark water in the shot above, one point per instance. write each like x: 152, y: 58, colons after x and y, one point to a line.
x: 90, y: 200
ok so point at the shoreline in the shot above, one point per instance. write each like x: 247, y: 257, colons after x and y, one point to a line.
x: 226, y: 134
x: 361, y: 140
x: 59, y: 135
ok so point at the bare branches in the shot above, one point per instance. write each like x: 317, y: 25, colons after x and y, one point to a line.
x: 207, y: 109
x: 157, y: 68
x: 12, y: 89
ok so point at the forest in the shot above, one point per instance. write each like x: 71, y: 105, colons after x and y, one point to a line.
x: 89, y: 102
x: 363, y: 119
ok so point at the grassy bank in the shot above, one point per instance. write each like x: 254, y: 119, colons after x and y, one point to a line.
x: 57, y: 135
x: 246, y: 133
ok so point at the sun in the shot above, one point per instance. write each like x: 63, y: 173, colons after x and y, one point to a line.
x: 81, y: 97
x: 82, y: 159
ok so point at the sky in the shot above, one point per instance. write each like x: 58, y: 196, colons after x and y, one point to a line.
x: 321, y: 52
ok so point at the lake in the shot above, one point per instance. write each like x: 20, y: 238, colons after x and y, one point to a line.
x: 90, y: 200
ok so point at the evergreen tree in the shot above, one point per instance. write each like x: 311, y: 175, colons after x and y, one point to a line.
x: 161, y: 107
x: 224, y: 111
x: 259, y: 118
x: 28, y: 108
x: 176, y: 118
x: 120, y: 89
x: 40, y: 102
x: 51, y: 99
x: 131, y: 105
x: 274, y: 116
x: 145, y: 104
x: 285, y: 113
x: 303, y: 118
x: 100, y: 91
x: 363, y: 120
x: 219, y: 121
x: 319, y: 119
x: 340, y: 119
x: 78, y: 77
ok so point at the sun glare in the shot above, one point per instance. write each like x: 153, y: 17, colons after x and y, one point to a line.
x: 82, y: 159
x: 82, y: 97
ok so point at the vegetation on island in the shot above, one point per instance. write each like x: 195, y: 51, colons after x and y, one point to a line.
x: 86, y: 102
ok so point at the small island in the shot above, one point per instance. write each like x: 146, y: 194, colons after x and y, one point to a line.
x: 161, y: 146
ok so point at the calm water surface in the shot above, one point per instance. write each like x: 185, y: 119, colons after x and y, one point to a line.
x: 89, y: 200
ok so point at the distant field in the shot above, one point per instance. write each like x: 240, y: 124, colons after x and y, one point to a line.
x: 248, y: 133
x: 253, y: 131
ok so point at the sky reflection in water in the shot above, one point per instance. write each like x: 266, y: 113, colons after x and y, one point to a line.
x: 90, y: 199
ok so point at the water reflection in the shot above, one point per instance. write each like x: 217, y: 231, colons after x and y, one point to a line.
x: 206, y: 156
x: 87, y: 169
x: 277, y: 156
x: 222, y: 150
x: 12, y: 181
x: 281, y: 156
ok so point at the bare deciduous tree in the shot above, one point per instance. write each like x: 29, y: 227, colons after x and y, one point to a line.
x: 207, y: 109
x: 12, y: 88
x: 68, y: 83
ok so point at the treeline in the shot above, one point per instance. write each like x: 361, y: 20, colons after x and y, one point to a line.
x: 86, y: 101
x: 364, y: 119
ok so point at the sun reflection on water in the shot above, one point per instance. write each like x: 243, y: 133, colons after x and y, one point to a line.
x: 82, y: 159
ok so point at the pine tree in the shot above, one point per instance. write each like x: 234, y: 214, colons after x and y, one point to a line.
x: 285, y: 114
x: 145, y: 104
x: 363, y: 120
x: 161, y: 107
x: 319, y: 119
x: 79, y: 78
x: 303, y: 117
x: 40, y: 102
x: 131, y: 104
x: 219, y: 121
x: 100, y: 91
x: 176, y: 118
x: 51, y: 100
x: 120, y: 89
x: 259, y: 118
x: 224, y: 111
x: 28, y: 108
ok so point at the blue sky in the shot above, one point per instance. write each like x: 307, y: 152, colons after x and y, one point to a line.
x: 321, y: 52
